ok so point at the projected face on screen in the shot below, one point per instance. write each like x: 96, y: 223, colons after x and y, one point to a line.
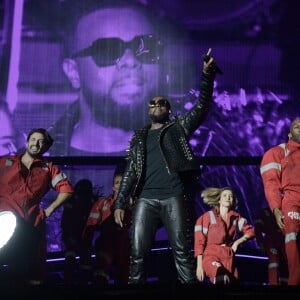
x: 114, y: 64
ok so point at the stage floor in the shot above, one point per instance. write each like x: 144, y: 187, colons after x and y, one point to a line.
x: 161, y: 283
x: 148, y: 291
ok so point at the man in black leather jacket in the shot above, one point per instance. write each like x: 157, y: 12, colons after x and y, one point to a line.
x: 157, y: 157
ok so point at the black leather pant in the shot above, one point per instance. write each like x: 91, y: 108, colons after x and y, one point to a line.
x: 174, y: 214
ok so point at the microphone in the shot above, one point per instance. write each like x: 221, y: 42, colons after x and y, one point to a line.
x: 206, y: 58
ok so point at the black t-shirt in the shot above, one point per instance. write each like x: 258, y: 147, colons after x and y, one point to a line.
x: 158, y: 183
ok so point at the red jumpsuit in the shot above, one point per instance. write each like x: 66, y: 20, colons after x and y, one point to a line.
x: 112, y: 246
x: 213, y: 240
x: 22, y: 190
x: 280, y: 171
x: 271, y: 240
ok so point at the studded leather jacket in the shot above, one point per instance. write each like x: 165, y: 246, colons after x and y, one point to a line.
x: 174, y: 144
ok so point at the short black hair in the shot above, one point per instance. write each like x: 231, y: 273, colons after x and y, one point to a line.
x: 49, y: 140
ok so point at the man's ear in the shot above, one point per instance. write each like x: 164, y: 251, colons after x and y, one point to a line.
x: 290, y: 135
x: 70, y: 69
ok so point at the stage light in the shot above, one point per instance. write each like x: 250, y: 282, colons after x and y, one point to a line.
x: 19, y: 241
x: 8, y: 223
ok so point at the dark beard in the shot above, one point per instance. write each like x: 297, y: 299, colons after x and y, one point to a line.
x: 109, y: 114
x: 34, y: 156
x: 162, y: 118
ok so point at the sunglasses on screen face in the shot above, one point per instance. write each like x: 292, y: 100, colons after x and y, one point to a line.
x: 159, y: 103
x: 105, y: 52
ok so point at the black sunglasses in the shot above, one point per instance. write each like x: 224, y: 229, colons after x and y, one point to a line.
x: 105, y: 52
x: 159, y: 103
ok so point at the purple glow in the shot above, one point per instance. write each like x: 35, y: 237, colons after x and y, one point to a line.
x: 251, y: 70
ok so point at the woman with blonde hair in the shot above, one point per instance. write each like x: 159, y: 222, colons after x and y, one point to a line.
x: 218, y: 233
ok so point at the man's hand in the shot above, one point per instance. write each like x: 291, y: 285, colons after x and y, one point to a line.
x: 210, y: 64
x: 119, y: 216
x: 279, y: 217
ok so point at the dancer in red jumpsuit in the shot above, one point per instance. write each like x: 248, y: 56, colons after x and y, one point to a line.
x: 112, y: 246
x: 218, y: 233
x: 271, y: 240
x: 24, y: 180
x: 280, y: 172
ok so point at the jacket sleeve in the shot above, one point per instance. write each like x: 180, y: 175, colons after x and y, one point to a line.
x: 200, y: 234
x: 245, y: 227
x: 129, y: 179
x: 93, y: 220
x: 270, y: 170
x: 59, y: 180
x: 198, y: 114
x: 95, y: 216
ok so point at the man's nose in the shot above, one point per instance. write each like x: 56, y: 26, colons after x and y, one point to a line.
x: 128, y: 60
